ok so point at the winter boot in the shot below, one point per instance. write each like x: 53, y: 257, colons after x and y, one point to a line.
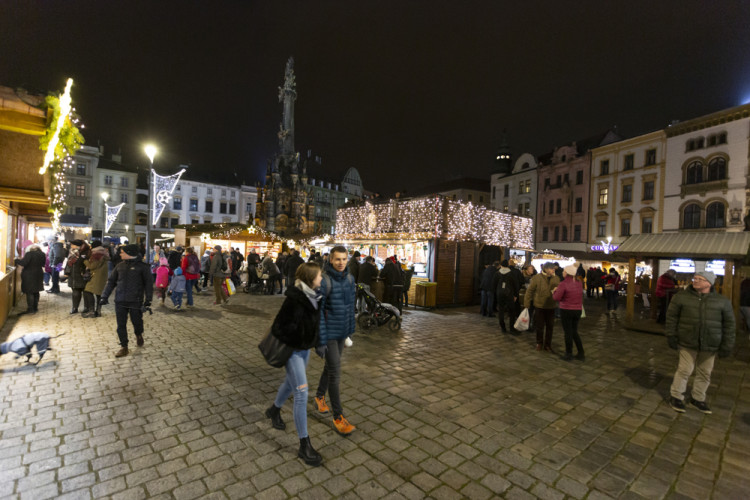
x: 98, y: 310
x: 308, y: 454
x: 274, y: 414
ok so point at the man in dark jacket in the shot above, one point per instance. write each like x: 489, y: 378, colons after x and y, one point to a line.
x: 174, y: 258
x: 487, y: 307
x: 700, y: 323
x: 337, y: 320
x: 132, y: 277
x: 353, y: 266
x: 57, y: 255
x: 292, y: 263
x: 506, y: 293
x: 367, y: 272
x: 32, y: 276
x: 394, y: 281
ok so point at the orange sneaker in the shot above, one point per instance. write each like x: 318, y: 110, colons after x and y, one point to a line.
x: 343, y: 426
x: 320, y: 402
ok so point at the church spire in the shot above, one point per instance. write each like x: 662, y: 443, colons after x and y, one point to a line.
x: 502, y: 163
x: 287, y: 96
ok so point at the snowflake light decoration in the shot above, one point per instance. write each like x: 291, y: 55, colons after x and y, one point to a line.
x: 112, y: 213
x: 162, y: 193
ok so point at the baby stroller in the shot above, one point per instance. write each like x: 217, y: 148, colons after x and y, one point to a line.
x: 256, y: 281
x: 373, y: 313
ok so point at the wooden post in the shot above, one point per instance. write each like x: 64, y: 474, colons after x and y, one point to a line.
x: 630, y: 308
x: 727, y: 285
x: 735, y: 298
x: 655, y: 273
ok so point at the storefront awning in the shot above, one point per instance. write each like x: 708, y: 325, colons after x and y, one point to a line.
x: 689, y: 245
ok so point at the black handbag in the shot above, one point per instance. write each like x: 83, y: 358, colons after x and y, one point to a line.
x: 275, y: 351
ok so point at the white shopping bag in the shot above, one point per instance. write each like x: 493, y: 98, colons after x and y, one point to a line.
x: 583, y: 312
x: 522, y: 323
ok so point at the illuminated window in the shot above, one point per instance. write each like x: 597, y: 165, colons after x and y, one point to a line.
x: 193, y: 205
x: 81, y: 190
x: 603, y: 196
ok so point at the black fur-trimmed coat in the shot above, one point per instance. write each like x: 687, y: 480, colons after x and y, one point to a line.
x: 297, y: 323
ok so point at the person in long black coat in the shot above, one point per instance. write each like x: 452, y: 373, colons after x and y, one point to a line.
x: 32, y: 276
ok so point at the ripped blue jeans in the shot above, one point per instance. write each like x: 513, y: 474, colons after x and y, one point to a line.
x: 296, y: 383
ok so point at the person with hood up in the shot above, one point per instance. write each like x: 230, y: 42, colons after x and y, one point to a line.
x: 134, y: 283
x: 297, y: 325
x: 177, y: 288
x: 162, y: 280
x: 337, y: 321
x: 570, y: 296
x: 97, y: 266
x: 539, y: 293
x: 32, y: 276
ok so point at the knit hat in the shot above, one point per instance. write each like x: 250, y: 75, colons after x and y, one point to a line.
x: 710, y: 276
x: 571, y: 269
x: 163, y: 262
x: 131, y: 250
x: 177, y: 271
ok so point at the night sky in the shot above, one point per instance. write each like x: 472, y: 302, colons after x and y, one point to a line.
x: 408, y: 92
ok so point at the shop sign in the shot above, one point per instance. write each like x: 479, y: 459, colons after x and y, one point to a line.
x: 604, y: 248
x: 682, y: 265
x: 716, y: 267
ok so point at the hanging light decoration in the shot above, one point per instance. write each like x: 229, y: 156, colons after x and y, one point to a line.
x: 163, y: 187
x: 112, y: 213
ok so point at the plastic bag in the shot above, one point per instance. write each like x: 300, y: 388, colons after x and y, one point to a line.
x: 522, y: 323
x: 583, y: 312
x: 231, y: 289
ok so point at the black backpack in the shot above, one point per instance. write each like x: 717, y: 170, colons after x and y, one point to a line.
x: 505, y: 286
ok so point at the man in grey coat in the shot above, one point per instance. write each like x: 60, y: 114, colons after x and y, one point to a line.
x: 700, y: 323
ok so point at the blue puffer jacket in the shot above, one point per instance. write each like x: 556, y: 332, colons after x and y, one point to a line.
x: 337, y: 305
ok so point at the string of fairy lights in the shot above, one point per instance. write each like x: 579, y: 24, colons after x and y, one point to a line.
x: 434, y: 217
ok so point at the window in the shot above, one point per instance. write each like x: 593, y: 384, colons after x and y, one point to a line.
x: 178, y: 188
x: 520, y: 187
x: 699, y: 143
x: 691, y: 218
x: 689, y: 145
x: 123, y: 197
x: 505, y: 190
x: 579, y: 205
x: 546, y: 183
x: 601, y: 228
x: 526, y: 209
x: 722, y: 139
x: 527, y: 188
x: 467, y: 197
x: 566, y: 179
x: 520, y: 209
x: 249, y: 208
x: 545, y: 234
x: 222, y: 207
x: 625, y: 227
x: 81, y: 190
x: 604, y: 167
x: 651, y: 157
x: 559, y: 181
x: 694, y: 173
x: 223, y: 192
x: 481, y: 199
x: 505, y: 207
x: 107, y: 180
x: 193, y: 205
x: 177, y: 203
x: 715, y: 215
x: 209, y: 206
x: 164, y: 223
x: 80, y: 169
x: 565, y: 233
x: 194, y: 221
x: 711, y: 140
x: 557, y: 233
x: 603, y: 195
x: 647, y: 225
x: 124, y: 182
x: 629, y: 162
x: 648, y: 190
x: 579, y: 177
x: 559, y: 205
x: 195, y: 189
x: 209, y: 191
x: 627, y: 193
x: 551, y: 206
x: 80, y: 211
x: 232, y: 208
x: 577, y: 232
x: 717, y: 169
x: 173, y: 222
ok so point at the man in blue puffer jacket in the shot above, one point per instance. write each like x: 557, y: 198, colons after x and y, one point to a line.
x: 337, y: 322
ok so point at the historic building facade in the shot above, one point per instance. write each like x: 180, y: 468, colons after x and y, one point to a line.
x: 707, y: 169
x: 627, y: 188
x: 516, y: 191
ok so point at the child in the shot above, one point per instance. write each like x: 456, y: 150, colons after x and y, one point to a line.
x: 177, y: 287
x: 162, y: 279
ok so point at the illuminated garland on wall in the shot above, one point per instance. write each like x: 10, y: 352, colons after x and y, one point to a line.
x: 60, y: 142
x: 434, y: 217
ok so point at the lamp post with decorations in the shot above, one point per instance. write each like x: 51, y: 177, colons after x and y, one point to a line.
x: 150, y: 150
x: 105, y: 197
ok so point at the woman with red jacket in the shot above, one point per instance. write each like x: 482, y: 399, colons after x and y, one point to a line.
x: 191, y: 268
x: 611, y: 290
x: 569, y: 293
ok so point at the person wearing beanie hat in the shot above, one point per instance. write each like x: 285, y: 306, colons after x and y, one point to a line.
x: 177, y: 287
x: 700, y: 324
x: 539, y: 294
x: 570, y: 296
x: 134, y: 283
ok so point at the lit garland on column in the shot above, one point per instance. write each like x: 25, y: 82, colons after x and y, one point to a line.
x: 434, y: 217
x: 60, y: 142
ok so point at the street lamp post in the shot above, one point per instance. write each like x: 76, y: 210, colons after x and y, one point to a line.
x: 105, y: 197
x: 150, y: 150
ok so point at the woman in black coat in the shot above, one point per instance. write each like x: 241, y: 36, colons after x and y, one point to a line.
x: 32, y: 276
x: 79, y: 252
x: 297, y: 325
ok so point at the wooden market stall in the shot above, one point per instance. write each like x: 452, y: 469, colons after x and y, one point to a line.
x: 444, y: 236
x: 230, y: 235
x: 731, y: 247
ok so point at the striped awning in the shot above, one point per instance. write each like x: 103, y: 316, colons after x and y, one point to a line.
x: 708, y: 245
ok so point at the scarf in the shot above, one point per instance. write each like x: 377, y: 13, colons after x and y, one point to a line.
x: 312, y: 295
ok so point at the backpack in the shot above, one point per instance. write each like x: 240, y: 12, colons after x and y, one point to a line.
x: 193, y: 265
x: 505, y: 288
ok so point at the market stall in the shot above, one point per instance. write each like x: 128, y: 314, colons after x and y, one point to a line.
x: 230, y: 235
x: 441, y: 238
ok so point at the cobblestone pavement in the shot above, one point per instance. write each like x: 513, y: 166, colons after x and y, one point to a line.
x: 447, y: 408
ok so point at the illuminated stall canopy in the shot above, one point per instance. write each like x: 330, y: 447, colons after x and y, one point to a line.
x: 433, y: 217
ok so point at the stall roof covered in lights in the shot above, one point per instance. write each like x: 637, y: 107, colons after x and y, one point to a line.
x: 239, y: 231
x: 430, y: 217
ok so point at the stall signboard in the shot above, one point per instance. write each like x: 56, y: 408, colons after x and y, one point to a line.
x: 716, y: 267
x: 682, y: 265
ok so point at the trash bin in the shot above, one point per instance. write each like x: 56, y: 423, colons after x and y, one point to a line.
x: 426, y: 294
